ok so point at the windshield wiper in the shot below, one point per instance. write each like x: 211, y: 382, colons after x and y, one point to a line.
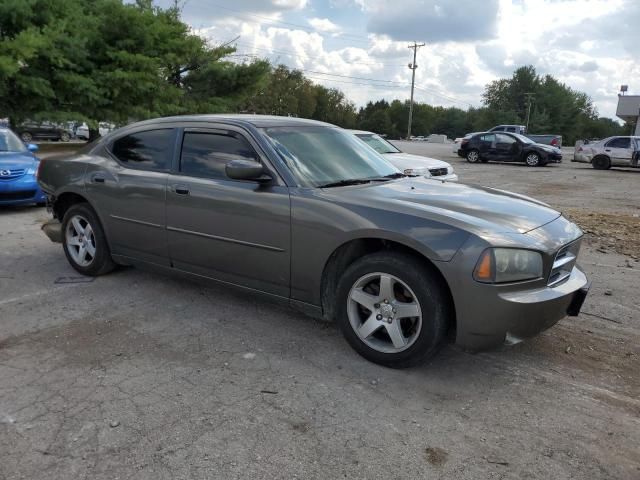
x: 391, y: 176
x: 346, y: 182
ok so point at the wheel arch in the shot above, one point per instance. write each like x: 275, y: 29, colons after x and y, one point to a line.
x: 348, y: 252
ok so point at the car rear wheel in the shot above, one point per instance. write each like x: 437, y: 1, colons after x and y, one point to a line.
x: 533, y: 159
x: 65, y: 137
x: 601, y: 163
x: 473, y: 156
x: 26, y: 137
x: 84, y: 242
x: 392, y: 310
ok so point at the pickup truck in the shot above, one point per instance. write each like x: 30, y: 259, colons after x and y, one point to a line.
x: 553, y: 140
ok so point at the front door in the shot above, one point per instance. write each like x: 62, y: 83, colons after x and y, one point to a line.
x: 129, y: 195
x: 506, y: 149
x: 619, y: 150
x: 230, y: 230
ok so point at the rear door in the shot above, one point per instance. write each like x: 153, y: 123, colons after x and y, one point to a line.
x: 619, y: 150
x: 487, y: 146
x: 231, y: 230
x: 128, y: 191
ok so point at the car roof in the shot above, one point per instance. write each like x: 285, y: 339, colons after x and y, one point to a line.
x: 238, y: 119
x: 361, y: 132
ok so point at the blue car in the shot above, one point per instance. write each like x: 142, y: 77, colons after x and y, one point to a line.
x: 18, y: 166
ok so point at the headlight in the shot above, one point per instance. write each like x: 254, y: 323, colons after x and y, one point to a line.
x: 416, y: 171
x: 501, y: 265
x: 31, y: 171
x: 449, y: 170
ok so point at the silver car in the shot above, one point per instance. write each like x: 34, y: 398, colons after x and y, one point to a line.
x: 305, y: 213
x: 407, y: 163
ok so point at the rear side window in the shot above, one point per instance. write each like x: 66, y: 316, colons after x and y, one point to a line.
x: 488, y: 138
x: 498, y: 129
x: 206, y: 154
x: 148, y: 150
x: 619, y: 143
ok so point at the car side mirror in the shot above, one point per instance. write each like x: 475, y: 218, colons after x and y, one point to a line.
x: 32, y: 147
x: 246, y: 170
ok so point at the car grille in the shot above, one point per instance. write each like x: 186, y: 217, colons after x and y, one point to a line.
x: 564, y: 263
x: 13, y: 174
x: 437, y: 172
x: 19, y: 195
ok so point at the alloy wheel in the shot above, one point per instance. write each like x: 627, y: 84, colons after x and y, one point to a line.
x: 384, y: 312
x: 473, y: 156
x: 533, y: 159
x: 80, y: 240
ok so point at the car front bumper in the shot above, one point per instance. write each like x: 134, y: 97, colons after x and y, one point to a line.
x: 511, y: 316
x: 21, y: 191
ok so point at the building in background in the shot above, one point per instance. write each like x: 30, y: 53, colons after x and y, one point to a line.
x: 629, y: 110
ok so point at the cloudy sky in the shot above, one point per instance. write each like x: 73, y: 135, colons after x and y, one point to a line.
x: 361, y: 46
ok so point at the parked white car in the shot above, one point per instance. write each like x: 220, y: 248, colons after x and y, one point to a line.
x: 407, y: 163
x: 610, y: 152
x: 82, y: 131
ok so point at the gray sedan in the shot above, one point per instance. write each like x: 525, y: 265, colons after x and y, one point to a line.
x: 304, y: 212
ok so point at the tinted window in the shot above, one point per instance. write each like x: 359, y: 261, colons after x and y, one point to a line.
x: 488, y: 138
x: 619, y: 143
x: 206, y: 154
x: 511, y: 129
x: 150, y: 150
x: 505, y: 139
x: 498, y: 129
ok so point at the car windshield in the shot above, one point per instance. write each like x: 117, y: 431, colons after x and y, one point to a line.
x: 522, y: 138
x: 320, y: 156
x: 9, y: 142
x: 378, y: 143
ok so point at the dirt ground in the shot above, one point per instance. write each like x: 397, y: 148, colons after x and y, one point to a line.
x: 137, y: 375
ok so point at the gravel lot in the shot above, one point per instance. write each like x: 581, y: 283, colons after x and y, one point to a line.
x: 145, y: 376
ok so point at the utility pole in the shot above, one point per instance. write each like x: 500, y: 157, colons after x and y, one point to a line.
x: 529, y: 95
x: 412, y: 67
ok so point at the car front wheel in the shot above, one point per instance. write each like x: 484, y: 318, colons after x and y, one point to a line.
x: 65, y: 137
x: 392, y: 310
x: 533, y: 160
x: 26, y: 137
x: 84, y: 242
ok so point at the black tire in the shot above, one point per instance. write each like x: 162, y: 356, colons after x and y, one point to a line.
x: 430, y: 293
x: 102, y: 262
x: 601, y: 162
x: 65, y: 137
x: 26, y: 137
x: 473, y: 156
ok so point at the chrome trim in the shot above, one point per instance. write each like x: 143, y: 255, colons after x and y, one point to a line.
x: 139, y: 222
x: 563, y: 263
x: 226, y: 239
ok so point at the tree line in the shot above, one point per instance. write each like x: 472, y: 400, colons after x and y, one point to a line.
x: 106, y: 60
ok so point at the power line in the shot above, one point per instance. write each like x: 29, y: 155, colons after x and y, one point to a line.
x: 291, y: 54
x: 352, y: 37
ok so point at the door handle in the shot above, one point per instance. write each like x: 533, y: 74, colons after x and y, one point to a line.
x: 607, y: 149
x: 97, y: 178
x: 180, y: 189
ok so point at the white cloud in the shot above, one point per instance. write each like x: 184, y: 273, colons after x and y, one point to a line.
x: 591, y: 45
x: 324, y: 25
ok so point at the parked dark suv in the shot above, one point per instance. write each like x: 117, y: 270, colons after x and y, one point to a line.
x: 41, y: 131
x: 507, y: 147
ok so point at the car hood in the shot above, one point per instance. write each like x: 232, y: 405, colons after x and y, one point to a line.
x: 477, y: 209
x: 16, y: 160
x: 402, y: 161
